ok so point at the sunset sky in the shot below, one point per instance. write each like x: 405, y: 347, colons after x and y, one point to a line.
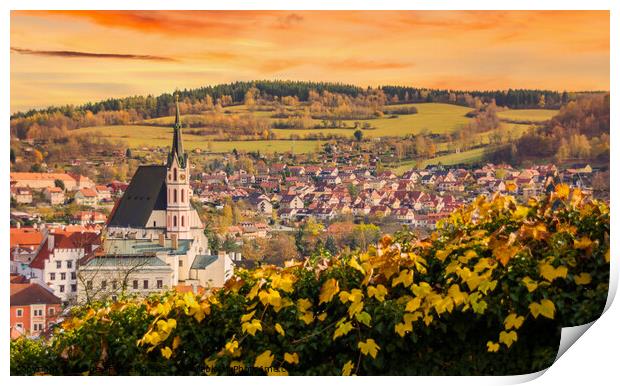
x: 65, y: 57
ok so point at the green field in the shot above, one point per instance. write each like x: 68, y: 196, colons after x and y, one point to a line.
x: 469, y: 156
x: 436, y: 118
x: 149, y: 136
x: 532, y: 115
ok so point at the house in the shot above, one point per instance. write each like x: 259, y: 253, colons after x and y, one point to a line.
x: 21, y: 195
x: 24, y: 243
x: 291, y: 202
x: 82, y: 182
x: 103, y: 193
x: 89, y: 217
x: 404, y: 215
x: 55, y: 195
x: 34, y: 309
x: 86, y: 197
x: 56, y: 262
x: 42, y: 180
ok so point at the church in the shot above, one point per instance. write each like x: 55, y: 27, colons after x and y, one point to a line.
x: 154, y: 239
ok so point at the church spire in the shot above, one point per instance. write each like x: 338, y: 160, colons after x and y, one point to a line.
x: 177, y: 140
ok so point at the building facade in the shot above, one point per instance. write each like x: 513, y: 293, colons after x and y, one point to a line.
x: 154, y: 239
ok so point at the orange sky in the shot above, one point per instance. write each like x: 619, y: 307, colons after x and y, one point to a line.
x: 60, y: 57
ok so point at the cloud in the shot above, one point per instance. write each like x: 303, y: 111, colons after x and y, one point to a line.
x: 364, y: 64
x: 96, y: 55
x: 289, y: 20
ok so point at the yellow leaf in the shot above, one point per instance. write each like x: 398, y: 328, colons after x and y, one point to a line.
x: 322, y: 316
x: 369, y: 347
x: 354, y: 264
x: 583, y: 243
x: 307, y: 317
x: 342, y: 329
x: 504, y: 253
x: 520, y: 212
x: 364, y: 318
x: 166, y: 352
x: 247, y: 317
x: 403, y: 328
x: 347, y: 368
x: 176, y: 342
x: 530, y: 284
x: 291, y: 358
x: 279, y: 329
x: 607, y: 256
x: 303, y: 305
x: 413, y: 304
x: 508, y: 338
x: 562, y: 191
x: 377, y: 292
x: 271, y: 297
x: 442, y: 254
x: 549, y: 273
x: 328, y: 291
x: 283, y: 282
x: 405, y: 278
x: 264, y: 360
x: 583, y: 279
x: 252, y: 327
x: 545, y: 308
x: 232, y: 346
x: 513, y: 321
x: 492, y: 346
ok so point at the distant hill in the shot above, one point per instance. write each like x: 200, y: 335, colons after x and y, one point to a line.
x: 151, y: 106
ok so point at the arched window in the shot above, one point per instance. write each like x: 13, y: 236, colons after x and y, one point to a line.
x: 174, y: 221
x: 175, y: 195
x: 182, y: 221
x: 182, y: 195
x: 174, y: 173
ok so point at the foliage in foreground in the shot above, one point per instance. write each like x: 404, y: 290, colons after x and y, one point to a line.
x: 487, y: 293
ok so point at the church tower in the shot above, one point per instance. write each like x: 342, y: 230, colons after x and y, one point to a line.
x: 178, y: 208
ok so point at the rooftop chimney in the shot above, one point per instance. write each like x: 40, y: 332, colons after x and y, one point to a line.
x: 50, y: 241
x: 174, y: 238
x: 162, y: 239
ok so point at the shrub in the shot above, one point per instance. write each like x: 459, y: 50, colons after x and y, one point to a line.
x: 487, y: 293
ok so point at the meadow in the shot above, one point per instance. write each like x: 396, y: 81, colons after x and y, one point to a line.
x: 531, y: 115
x: 137, y: 137
x: 432, y: 118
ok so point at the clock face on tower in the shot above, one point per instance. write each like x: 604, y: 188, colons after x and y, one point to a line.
x: 182, y: 177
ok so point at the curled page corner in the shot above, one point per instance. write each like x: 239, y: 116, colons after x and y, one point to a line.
x: 570, y: 336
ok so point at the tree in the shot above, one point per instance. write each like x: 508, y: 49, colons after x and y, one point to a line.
x: 12, y: 155
x: 358, y: 134
x: 38, y: 156
x: 128, y: 153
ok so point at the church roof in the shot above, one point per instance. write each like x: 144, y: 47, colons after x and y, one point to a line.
x: 203, y: 261
x: 145, y: 193
x: 114, y: 246
x: 177, y: 141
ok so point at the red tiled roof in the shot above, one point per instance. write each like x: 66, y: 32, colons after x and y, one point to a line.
x: 23, y: 294
x: 25, y: 237
x: 41, y: 176
x: 65, y: 240
x: 88, y: 192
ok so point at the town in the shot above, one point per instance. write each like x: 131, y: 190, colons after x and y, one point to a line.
x: 109, y: 246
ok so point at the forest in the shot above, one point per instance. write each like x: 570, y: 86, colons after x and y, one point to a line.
x: 326, y: 101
